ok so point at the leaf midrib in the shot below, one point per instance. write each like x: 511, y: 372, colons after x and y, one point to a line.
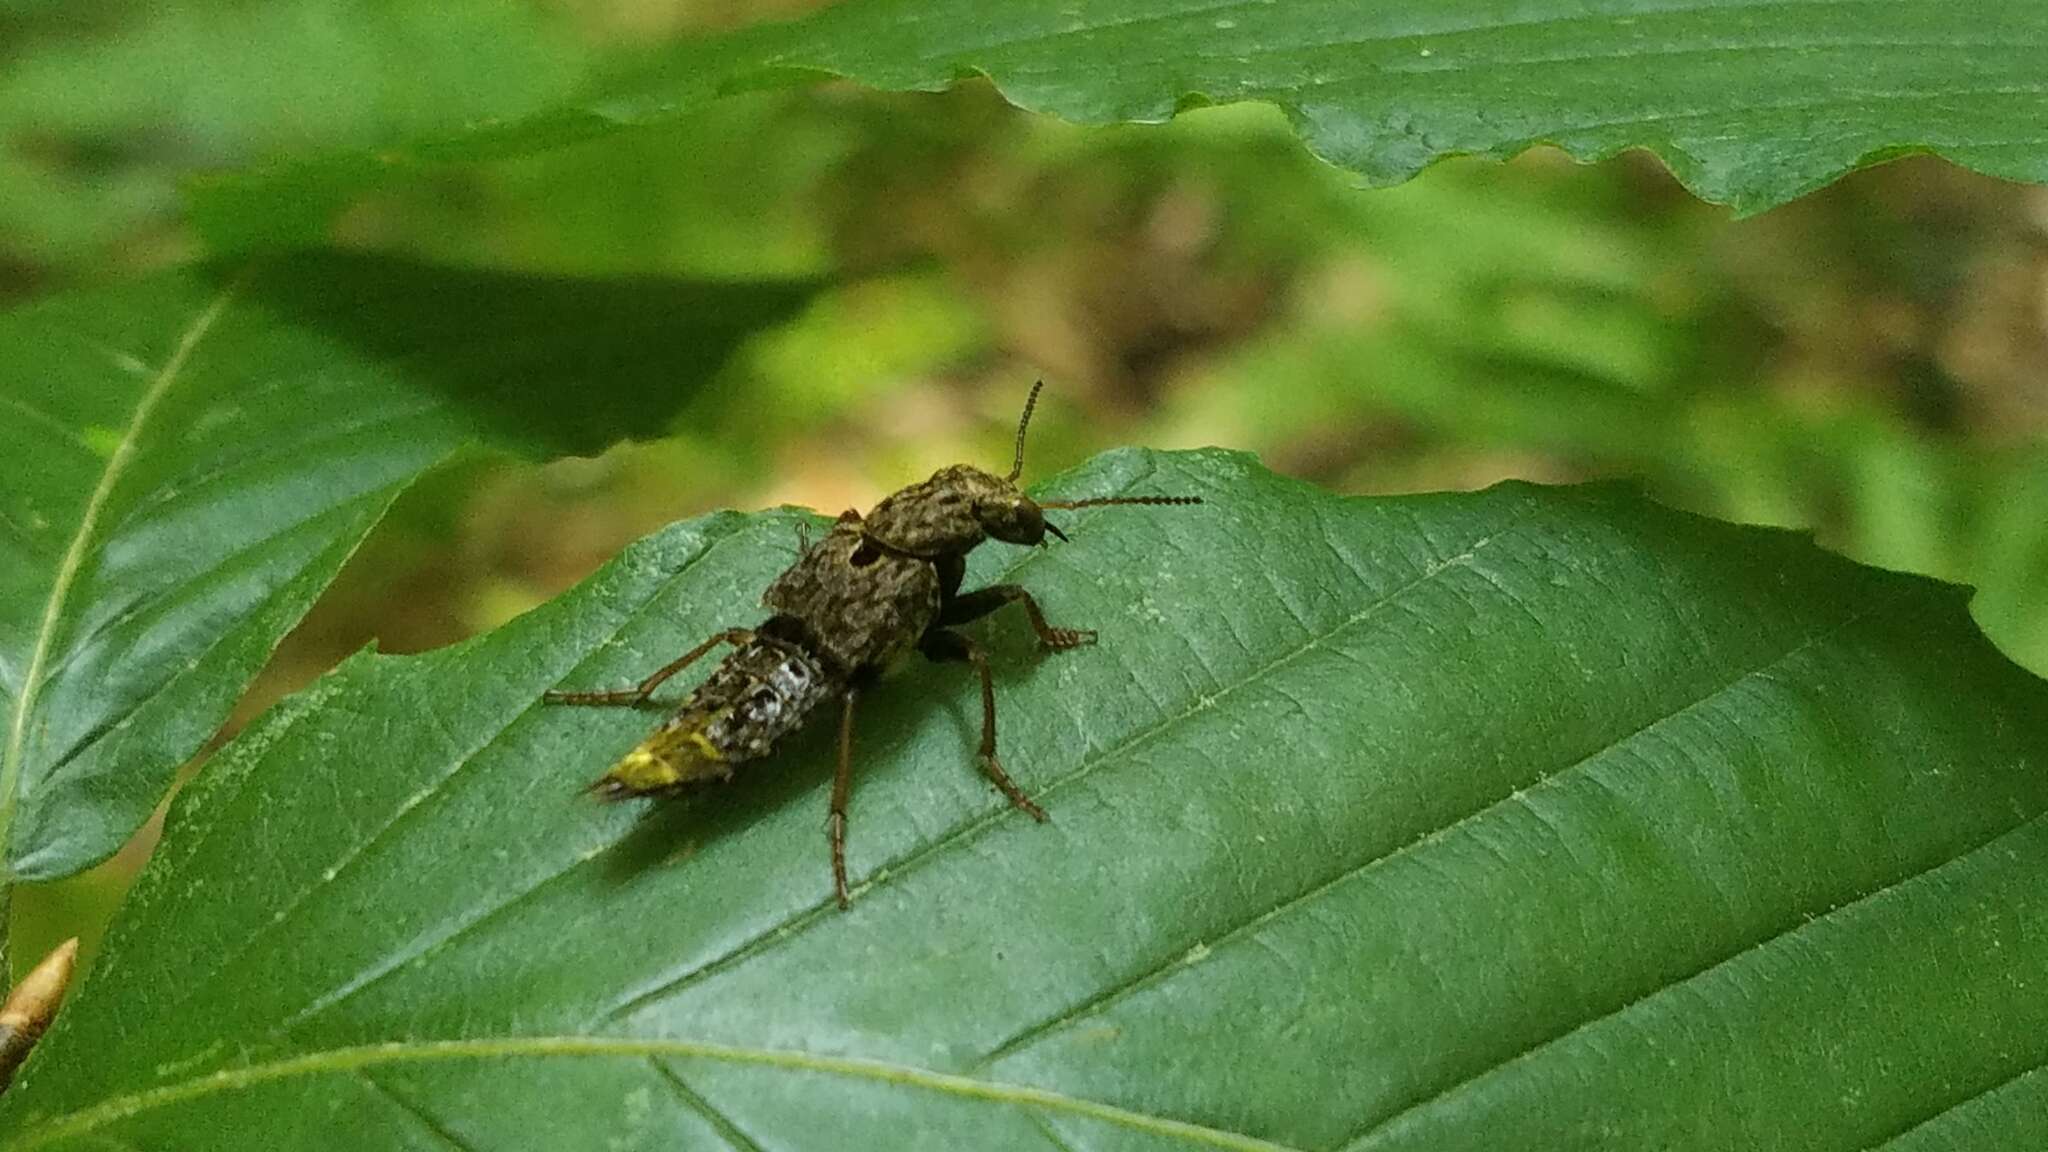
x: 73, y: 562
x: 115, y: 1109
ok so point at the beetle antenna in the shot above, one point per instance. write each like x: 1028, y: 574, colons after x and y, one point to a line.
x: 1030, y: 402
x: 1098, y: 501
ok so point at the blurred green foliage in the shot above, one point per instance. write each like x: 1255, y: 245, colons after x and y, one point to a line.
x: 1865, y: 363
x: 1870, y: 362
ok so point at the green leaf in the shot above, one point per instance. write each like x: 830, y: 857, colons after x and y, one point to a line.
x: 99, y: 117
x: 1750, y: 102
x: 1376, y: 823
x: 190, y: 459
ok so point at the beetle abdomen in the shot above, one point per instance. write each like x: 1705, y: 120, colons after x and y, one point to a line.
x: 761, y: 692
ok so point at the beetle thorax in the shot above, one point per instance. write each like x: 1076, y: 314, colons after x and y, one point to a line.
x: 944, y: 515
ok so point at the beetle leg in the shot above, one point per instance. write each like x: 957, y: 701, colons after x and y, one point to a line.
x: 982, y: 601
x: 941, y: 645
x: 627, y: 697
x: 842, y: 784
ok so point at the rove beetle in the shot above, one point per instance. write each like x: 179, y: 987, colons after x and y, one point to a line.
x: 870, y: 590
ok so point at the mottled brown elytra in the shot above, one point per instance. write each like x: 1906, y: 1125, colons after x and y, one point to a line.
x: 869, y: 591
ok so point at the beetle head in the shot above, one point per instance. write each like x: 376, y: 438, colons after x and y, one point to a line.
x: 961, y: 506
x: 1007, y: 514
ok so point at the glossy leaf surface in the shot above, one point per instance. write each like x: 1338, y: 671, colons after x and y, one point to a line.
x: 1376, y: 824
x: 1750, y: 102
x: 190, y: 459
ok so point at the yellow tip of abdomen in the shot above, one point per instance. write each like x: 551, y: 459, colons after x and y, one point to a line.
x: 665, y: 760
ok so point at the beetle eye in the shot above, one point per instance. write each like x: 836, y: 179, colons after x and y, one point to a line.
x: 1030, y: 521
x: 1016, y: 521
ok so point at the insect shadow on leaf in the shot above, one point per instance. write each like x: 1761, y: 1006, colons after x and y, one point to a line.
x: 872, y: 589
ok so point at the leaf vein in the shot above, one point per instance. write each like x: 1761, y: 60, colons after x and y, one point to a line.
x: 221, y: 965
x: 1798, y: 926
x: 116, y: 1109
x: 1468, y: 28
x: 159, y: 604
x: 727, y: 1130
x: 16, y: 753
x: 795, y: 922
x: 2023, y: 1074
x: 64, y: 432
x: 1173, y: 964
x: 36, y: 547
x: 417, y: 1114
x: 327, y: 439
x: 966, y: 832
x: 391, y: 962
